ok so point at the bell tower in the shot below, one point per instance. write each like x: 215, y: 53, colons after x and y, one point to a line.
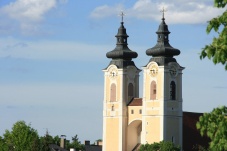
x: 121, y: 85
x: 162, y: 92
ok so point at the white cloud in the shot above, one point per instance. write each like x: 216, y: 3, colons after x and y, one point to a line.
x: 184, y: 11
x: 50, y: 50
x: 28, y: 10
x: 26, y: 16
x: 106, y: 11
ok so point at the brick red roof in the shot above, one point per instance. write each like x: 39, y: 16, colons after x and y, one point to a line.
x: 191, y: 136
x: 135, y: 102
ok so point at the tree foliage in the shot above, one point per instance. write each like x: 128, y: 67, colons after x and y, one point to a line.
x: 161, y: 146
x: 199, y: 148
x: 48, y: 139
x: 217, y: 50
x: 3, y: 145
x: 214, y: 125
x: 75, y: 144
x: 21, y: 138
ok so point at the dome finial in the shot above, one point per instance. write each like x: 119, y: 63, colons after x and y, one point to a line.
x: 163, y: 49
x: 122, y: 56
x: 163, y: 13
x: 122, y: 14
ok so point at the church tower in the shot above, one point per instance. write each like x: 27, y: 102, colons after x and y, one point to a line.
x: 162, y: 92
x: 121, y: 85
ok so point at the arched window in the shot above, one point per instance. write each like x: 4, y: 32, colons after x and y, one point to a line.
x: 153, y: 90
x: 130, y: 91
x: 113, y: 92
x: 172, y: 90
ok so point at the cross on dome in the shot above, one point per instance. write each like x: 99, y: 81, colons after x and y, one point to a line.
x: 163, y: 12
x: 121, y: 55
x: 122, y: 14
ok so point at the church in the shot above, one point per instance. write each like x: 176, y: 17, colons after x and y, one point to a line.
x: 129, y: 121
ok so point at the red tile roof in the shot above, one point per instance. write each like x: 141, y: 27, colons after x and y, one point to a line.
x: 191, y: 136
x: 135, y: 102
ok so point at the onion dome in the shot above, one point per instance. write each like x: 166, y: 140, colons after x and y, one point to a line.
x: 122, y: 55
x: 163, y: 49
x: 122, y: 51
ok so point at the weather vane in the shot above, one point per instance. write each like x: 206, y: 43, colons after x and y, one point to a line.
x: 122, y: 14
x: 163, y: 12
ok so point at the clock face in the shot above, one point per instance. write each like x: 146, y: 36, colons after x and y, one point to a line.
x: 173, y: 71
x: 154, y: 70
x: 113, y: 73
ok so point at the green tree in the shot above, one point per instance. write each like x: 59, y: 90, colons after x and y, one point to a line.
x: 22, y: 138
x: 56, y: 140
x: 3, y: 145
x: 217, y: 50
x: 214, y: 125
x: 161, y: 146
x: 199, y: 148
x: 75, y: 144
x: 46, y: 140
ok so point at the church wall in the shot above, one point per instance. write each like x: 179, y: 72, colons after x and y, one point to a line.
x: 134, y: 134
x: 112, y: 134
x: 153, y: 111
x: 107, y: 88
x: 153, y: 129
x: 115, y: 111
x: 136, y: 115
x: 161, y: 117
x: 173, y: 129
x: 119, y: 87
x: 160, y: 83
x: 131, y: 138
x: 154, y: 104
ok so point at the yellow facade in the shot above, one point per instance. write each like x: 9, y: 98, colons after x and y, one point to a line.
x: 128, y: 120
x: 113, y: 130
x: 157, y: 119
x: 115, y: 114
x: 137, y: 114
x: 162, y: 116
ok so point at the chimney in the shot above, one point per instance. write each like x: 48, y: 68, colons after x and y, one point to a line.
x: 99, y: 143
x: 87, y: 142
x: 62, y: 142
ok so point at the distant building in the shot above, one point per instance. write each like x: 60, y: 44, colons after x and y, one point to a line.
x: 129, y: 121
x: 55, y: 147
x: 93, y: 147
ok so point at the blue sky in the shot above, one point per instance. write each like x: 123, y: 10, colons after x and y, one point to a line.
x: 52, y: 54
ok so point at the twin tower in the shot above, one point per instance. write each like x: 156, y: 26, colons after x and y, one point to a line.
x: 128, y: 120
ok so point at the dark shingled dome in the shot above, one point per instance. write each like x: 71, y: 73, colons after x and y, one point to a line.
x: 122, y: 51
x: 163, y: 48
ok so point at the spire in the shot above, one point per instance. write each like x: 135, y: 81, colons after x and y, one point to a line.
x: 163, y: 13
x: 163, y: 49
x: 121, y: 54
x: 122, y: 14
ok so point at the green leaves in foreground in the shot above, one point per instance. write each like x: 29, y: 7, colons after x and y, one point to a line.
x: 214, y: 125
x: 161, y: 146
x: 217, y: 50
